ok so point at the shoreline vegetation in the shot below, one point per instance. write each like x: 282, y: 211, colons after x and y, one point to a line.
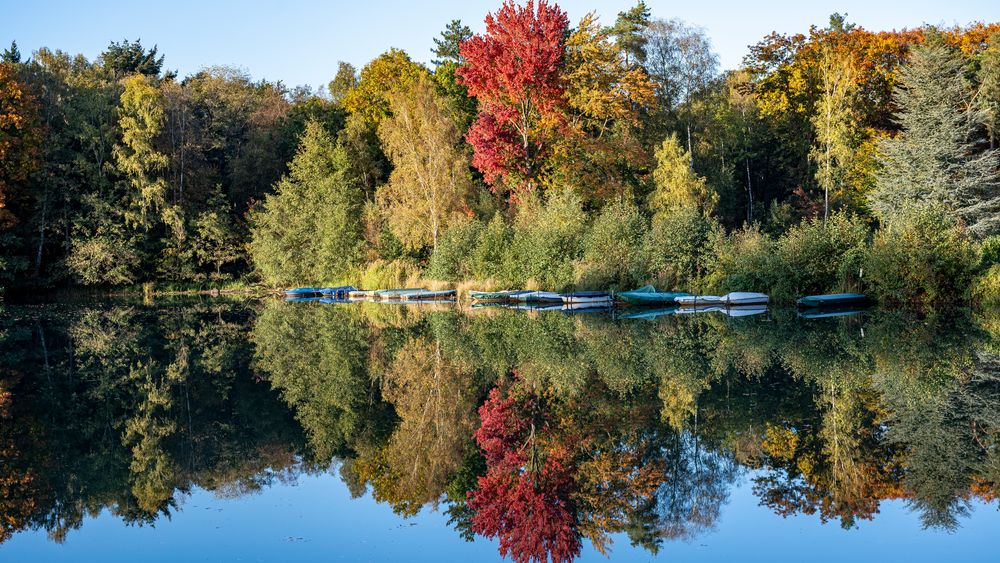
x: 560, y: 156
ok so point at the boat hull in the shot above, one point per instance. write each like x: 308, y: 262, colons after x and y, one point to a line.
x: 588, y: 298
x: 832, y: 300
x: 536, y: 297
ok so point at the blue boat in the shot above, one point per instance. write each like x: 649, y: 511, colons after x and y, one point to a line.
x: 648, y: 295
x: 295, y: 299
x: 303, y: 291
x: 649, y: 313
x: 832, y: 300
x: 339, y: 291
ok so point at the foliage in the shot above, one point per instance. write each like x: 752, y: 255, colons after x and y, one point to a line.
x: 677, y: 185
x: 548, y: 240
x: 679, y: 249
x: 308, y: 231
x: 513, y: 70
x: 935, y: 161
x: 937, y: 266
x: 391, y: 71
x: 19, y: 138
x: 430, y: 181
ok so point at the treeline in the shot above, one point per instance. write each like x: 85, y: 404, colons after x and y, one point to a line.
x: 535, y: 153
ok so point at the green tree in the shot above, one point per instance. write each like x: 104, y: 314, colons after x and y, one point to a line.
x: 137, y: 157
x: 345, y: 79
x: 449, y: 46
x: 835, y: 125
x: 309, y: 230
x: 123, y: 58
x: 935, y: 160
x: 677, y: 186
x: 629, y: 31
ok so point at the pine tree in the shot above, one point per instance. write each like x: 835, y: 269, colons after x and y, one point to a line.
x: 448, y: 47
x: 936, y: 160
x: 11, y: 55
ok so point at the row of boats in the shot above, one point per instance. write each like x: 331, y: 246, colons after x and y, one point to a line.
x: 643, y: 296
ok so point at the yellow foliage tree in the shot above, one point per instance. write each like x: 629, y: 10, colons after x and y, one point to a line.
x: 430, y: 180
x: 677, y: 186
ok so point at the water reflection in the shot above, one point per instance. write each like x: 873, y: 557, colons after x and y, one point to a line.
x: 541, y: 429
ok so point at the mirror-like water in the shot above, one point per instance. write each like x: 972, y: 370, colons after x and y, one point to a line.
x: 265, y: 430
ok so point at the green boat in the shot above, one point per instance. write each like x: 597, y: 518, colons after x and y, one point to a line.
x: 648, y: 295
x: 832, y: 300
x: 491, y: 295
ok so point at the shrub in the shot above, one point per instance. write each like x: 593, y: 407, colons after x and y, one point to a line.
x: 986, y: 286
x: 612, y: 255
x: 450, y: 262
x: 743, y: 262
x: 547, y: 240
x: 921, y: 257
x: 491, y: 257
x: 989, y: 250
x: 817, y: 257
x: 678, y: 250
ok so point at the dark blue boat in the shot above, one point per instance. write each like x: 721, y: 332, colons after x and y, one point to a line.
x: 339, y: 291
x: 832, y: 300
x: 302, y: 291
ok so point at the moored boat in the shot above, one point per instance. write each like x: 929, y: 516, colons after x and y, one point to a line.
x: 697, y: 300
x: 361, y: 294
x: 832, y: 300
x: 744, y: 310
x: 704, y: 308
x: 302, y: 291
x: 743, y: 298
x: 338, y: 291
x: 398, y: 293
x: 536, y: 296
x: 830, y: 312
x: 648, y: 295
x: 442, y: 295
x: 491, y: 295
x: 587, y: 297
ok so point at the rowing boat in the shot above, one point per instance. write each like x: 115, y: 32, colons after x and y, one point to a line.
x: 587, y: 297
x: 338, y: 291
x: 697, y: 300
x: 429, y: 295
x: 398, y: 293
x: 743, y: 298
x: 647, y: 313
x: 648, y: 295
x: 536, y: 296
x: 832, y: 300
x: 302, y: 291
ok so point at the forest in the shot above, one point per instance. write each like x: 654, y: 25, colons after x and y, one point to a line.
x: 539, y: 153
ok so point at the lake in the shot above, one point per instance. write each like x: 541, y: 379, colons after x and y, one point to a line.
x: 262, y: 430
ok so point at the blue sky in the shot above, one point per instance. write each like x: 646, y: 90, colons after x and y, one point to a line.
x: 300, y: 41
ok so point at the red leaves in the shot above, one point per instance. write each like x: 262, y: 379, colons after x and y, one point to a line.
x: 519, y: 58
x: 523, y: 503
x: 514, y: 72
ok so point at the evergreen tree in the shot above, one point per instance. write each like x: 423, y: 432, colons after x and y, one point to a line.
x: 11, y: 55
x: 346, y: 78
x: 935, y: 160
x: 130, y: 57
x: 449, y: 46
x: 630, y: 32
x: 309, y: 230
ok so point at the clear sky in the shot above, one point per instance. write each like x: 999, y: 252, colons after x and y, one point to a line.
x: 300, y: 41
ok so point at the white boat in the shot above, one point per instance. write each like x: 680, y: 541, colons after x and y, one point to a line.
x: 698, y: 300
x: 536, y: 296
x: 361, y: 294
x: 587, y: 297
x: 743, y: 298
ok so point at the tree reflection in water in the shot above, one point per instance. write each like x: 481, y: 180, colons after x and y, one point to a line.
x: 541, y: 430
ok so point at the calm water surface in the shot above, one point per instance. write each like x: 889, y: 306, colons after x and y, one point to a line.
x: 218, y: 430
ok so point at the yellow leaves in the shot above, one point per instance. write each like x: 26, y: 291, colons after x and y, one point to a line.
x: 677, y: 185
x: 600, y: 83
x: 389, y: 72
x: 780, y: 443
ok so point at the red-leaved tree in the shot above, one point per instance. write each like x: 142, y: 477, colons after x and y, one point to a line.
x: 524, y: 497
x: 513, y: 70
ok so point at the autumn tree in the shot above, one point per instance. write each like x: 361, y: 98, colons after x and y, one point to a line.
x: 605, y: 94
x: 834, y: 124
x: 19, y: 138
x: 513, y: 70
x: 677, y: 186
x: 430, y: 180
x: 342, y: 83
x: 936, y: 161
x: 137, y: 158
